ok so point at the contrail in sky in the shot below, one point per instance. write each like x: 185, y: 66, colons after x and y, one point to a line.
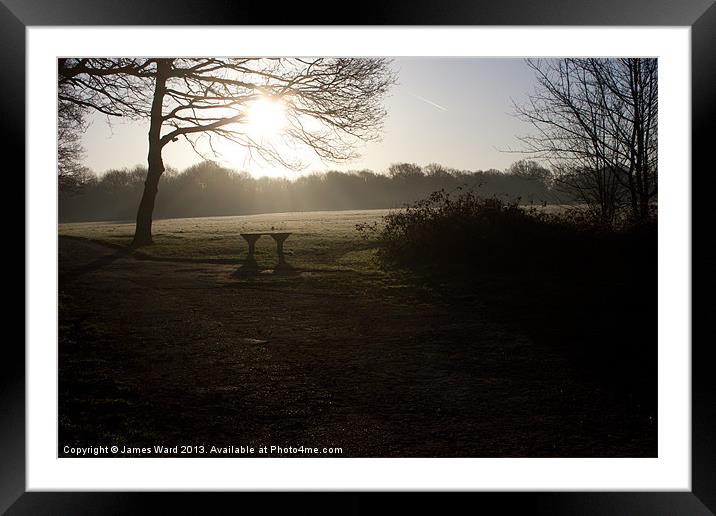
x: 429, y: 102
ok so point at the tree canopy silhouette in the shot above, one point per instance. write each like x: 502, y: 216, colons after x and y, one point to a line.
x: 330, y: 104
x: 596, y: 123
x: 71, y: 123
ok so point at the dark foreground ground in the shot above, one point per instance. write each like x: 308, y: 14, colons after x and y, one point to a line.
x: 170, y: 354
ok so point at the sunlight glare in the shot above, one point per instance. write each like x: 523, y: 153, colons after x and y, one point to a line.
x: 266, y: 117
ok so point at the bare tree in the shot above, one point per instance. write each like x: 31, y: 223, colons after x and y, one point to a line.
x: 71, y: 123
x: 596, y: 123
x: 330, y: 104
x: 405, y: 170
x: 529, y: 169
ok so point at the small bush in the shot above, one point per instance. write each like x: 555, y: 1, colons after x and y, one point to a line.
x: 466, y: 230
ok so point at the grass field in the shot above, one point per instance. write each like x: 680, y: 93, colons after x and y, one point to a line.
x: 321, y: 240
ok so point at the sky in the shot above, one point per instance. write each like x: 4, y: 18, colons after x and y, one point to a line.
x: 452, y: 111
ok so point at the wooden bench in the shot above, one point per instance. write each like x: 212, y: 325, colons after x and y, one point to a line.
x: 278, y: 236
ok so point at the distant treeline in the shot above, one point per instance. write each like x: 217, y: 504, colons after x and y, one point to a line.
x: 207, y: 189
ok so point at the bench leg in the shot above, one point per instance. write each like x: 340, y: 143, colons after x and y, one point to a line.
x: 280, y: 239
x: 250, y: 261
x: 251, y: 240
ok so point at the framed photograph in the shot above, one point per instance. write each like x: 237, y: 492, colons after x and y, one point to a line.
x: 431, y: 250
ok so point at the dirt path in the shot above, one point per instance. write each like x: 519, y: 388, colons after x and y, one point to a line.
x: 160, y: 353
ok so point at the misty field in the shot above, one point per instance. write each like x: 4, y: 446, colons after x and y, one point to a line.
x: 320, y: 240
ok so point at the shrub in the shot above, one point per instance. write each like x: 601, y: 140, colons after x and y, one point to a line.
x: 467, y: 230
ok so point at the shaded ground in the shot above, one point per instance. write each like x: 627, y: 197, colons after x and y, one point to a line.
x: 159, y: 353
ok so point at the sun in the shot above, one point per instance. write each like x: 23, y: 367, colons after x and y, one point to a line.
x: 266, y: 117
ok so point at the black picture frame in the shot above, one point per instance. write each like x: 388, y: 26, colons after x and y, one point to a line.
x: 700, y: 15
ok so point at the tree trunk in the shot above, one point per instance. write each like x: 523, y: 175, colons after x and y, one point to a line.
x: 143, y: 229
